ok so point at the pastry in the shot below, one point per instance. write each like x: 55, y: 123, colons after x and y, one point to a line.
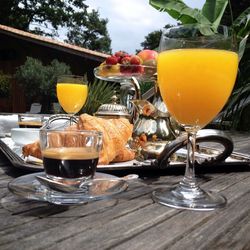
x: 116, y: 133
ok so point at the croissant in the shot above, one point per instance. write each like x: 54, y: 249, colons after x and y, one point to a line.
x: 32, y: 149
x: 116, y: 133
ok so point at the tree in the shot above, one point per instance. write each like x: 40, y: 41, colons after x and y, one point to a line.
x: 152, y: 40
x: 88, y: 35
x: 39, y: 80
x: 47, y: 17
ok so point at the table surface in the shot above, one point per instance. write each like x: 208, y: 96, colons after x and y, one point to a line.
x: 131, y: 220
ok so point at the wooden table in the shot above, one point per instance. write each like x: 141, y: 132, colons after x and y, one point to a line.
x: 132, y: 220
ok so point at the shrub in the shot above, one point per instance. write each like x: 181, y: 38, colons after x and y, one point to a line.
x: 39, y: 80
x: 4, y: 84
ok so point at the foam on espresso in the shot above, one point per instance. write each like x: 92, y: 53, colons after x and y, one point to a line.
x: 70, y: 153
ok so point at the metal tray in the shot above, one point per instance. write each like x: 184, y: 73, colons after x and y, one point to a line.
x: 176, y: 159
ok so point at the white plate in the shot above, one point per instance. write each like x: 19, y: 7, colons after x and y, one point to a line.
x: 23, y: 136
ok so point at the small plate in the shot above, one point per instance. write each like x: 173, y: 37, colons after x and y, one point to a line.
x: 29, y: 187
x: 23, y: 136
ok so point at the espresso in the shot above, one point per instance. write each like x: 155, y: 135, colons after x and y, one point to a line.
x: 30, y: 124
x: 70, y: 162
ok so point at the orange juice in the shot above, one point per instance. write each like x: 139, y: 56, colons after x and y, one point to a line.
x: 71, y: 96
x: 195, y: 84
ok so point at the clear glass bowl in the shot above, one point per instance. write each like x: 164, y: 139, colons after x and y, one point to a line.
x: 120, y: 72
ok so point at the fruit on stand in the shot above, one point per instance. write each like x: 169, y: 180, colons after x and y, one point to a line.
x: 122, y: 63
x: 112, y: 60
x: 148, y: 57
x: 106, y: 69
x: 120, y: 54
x: 135, y: 60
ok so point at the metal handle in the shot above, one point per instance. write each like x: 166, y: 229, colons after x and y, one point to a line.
x: 51, y: 122
x: 204, y: 135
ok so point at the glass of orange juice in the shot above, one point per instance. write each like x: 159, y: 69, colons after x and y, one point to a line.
x: 72, y: 93
x: 196, y: 75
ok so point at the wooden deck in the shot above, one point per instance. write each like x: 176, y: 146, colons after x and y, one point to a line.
x: 132, y: 220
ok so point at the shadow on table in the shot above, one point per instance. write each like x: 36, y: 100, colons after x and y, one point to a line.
x: 179, y: 170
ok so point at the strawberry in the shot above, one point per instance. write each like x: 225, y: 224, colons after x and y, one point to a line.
x: 111, y: 60
x: 125, y: 60
x: 125, y: 65
x: 120, y: 54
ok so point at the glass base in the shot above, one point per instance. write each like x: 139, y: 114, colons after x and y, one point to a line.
x: 195, y: 198
x: 69, y: 181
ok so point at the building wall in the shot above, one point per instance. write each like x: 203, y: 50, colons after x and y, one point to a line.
x: 13, y: 53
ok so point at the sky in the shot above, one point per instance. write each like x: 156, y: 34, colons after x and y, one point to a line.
x: 131, y: 20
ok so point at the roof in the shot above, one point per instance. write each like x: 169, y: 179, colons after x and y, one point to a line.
x: 52, y: 43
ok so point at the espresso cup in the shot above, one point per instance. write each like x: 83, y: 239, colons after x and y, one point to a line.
x: 30, y: 120
x: 70, y: 155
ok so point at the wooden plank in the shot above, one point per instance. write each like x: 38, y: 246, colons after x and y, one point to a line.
x: 196, y: 230
x: 132, y: 220
x: 48, y: 229
x: 18, y: 224
x: 118, y: 226
x: 220, y: 228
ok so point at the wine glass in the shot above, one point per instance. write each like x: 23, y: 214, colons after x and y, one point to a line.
x: 72, y: 93
x: 196, y: 75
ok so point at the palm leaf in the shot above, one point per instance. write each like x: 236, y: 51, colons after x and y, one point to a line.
x: 179, y: 11
x: 241, y: 26
x: 100, y: 92
x: 235, y: 106
x: 210, y: 14
x: 242, y: 23
x: 213, y: 10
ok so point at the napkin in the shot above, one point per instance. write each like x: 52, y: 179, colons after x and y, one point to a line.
x: 7, y: 122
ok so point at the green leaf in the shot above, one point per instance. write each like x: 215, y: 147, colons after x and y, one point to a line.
x: 206, y: 30
x: 242, y: 23
x: 213, y: 10
x: 242, y: 46
x: 100, y: 92
x: 180, y: 11
x: 210, y: 14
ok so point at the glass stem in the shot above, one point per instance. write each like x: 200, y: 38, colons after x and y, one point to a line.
x: 71, y: 119
x: 189, y: 179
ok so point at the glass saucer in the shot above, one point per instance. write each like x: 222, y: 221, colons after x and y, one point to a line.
x: 29, y: 187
